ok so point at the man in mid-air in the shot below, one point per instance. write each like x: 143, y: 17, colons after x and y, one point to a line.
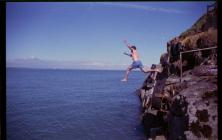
x: 136, y: 61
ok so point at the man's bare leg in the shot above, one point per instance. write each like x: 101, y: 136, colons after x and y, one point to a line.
x: 143, y: 70
x: 126, y: 74
x: 146, y: 70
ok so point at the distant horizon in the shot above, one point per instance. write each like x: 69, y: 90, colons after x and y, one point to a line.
x: 89, y: 35
x: 136, y: 70
x: 123, y: 70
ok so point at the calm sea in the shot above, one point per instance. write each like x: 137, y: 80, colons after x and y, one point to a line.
x: 72, y: 105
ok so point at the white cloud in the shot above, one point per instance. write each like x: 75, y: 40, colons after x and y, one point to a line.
x: 141, y: 7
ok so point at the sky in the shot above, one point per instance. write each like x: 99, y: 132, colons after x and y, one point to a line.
x: 89, y: 35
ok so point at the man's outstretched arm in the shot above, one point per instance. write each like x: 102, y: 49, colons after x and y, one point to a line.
x: 127, y: 44
x: 127, y: 54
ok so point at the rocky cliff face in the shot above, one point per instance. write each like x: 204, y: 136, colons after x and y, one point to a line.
x: 203, y: 34
x: 184, y: 108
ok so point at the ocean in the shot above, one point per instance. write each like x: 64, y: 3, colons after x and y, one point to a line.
x: 44, y: 104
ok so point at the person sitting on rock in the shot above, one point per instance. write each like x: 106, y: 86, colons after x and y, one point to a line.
x: 136, y: 62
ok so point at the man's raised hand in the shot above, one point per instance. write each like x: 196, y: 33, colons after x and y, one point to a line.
x: 125, y: 41
x: 127, y: 44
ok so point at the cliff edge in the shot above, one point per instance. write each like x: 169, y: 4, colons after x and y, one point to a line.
x: 180, y: 102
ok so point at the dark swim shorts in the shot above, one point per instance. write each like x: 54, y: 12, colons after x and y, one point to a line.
x: 136, y: 64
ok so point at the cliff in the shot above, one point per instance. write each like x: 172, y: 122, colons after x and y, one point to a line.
x: 182, y: 103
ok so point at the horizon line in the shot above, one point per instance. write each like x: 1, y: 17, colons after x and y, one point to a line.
x: 10, y: 67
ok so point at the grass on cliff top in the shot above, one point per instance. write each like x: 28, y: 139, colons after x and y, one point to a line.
x: 199, y: 24
x: 196, y: 26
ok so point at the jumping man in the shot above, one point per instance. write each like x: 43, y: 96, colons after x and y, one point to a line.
x: 136, y: 62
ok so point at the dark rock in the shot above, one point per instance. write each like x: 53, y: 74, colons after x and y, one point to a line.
x: 178, y: 120
x: 195, y: 128
x: 213, y: 117
x: 206, y: 131
x: 202, y: 115
x: 156, y: 103
x: 153, y: 123
x: 209, y: 94
x: 207, y: 103
x: 177, y: 128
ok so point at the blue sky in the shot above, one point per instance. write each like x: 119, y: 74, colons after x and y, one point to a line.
x: 89, y: 35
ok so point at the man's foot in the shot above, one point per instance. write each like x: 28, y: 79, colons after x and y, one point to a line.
x: 124, y: 80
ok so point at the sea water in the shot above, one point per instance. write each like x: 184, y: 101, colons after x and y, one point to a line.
x: 43, y: 104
